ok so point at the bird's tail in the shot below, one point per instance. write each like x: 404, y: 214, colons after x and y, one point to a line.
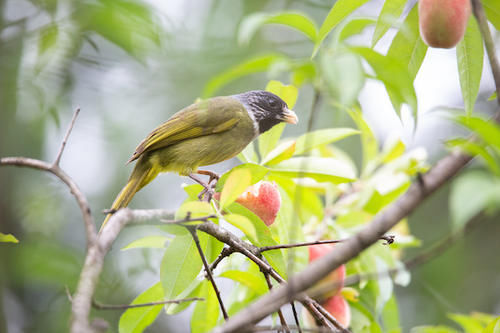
x: 143, y: 173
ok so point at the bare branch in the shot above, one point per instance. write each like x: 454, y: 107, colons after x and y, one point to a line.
x: 389, y: 239
x: 68, y: 132
x: 193, y: 231
x: 101, y: 306
x: 73, y: 187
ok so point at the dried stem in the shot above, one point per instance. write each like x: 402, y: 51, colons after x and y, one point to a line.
x: 193, y: 231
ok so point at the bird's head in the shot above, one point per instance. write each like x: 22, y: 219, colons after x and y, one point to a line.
x: 266, y: 109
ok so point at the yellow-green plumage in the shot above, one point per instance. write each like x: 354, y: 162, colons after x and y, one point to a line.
x: 204, y: 133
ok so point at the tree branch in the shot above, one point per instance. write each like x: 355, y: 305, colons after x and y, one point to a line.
x: 73, y: 187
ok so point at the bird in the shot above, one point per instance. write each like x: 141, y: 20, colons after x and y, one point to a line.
x: 204, y: 133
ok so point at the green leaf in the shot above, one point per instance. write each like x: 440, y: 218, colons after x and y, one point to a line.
x: 390, y: 12
x: 470, y: 324
x: 340, y: 10
x: 407, y: 46
x: 470, y: 194
x: 135, y: 320
x: 393, y: 148
x: 283, y: 151
x: 492, y: 9
x: 493, y: 326
x: 194, y: 209
x: 322, y: 169
x: 369, y: 142
x: 487, y: 130
x: 476, y: 149
x: 321, y: 137
x: 390, y: 315
x: 256, y: 171
x: 250, y: 66
x: 394, y: 75
x: 354, y: 27
x: 344, y: 75
x: 8, y: 238
x: 147, y: 242
x: 493, y: 96
x: 244, y: 224
x: 269, y: 140
x: 180, y: 265
x: 255, y: 282
x: 205, y: 314
x: 470, y: 64
x: 297, y: 21
x: 48, y: 38
x: 248, y: 155
x: 236, y: 183
x: 129, y: 25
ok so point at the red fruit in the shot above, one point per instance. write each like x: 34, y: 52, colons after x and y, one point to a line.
x: 263, y: 199
x: 443, y: 22
x: 335, y: 279
x: 337, y: 306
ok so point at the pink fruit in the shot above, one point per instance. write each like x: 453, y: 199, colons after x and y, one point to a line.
x: 443, y: 22
x: 334, y: 282
x: 337, y: 306
x: 263, y: 199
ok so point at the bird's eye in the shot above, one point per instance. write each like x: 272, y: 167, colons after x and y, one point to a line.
x: 273, y: 103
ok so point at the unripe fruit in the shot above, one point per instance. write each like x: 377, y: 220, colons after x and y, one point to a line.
x: 337, y: 306
x: 332, y: 283
x: 263, y: 199
x: 443, y: 22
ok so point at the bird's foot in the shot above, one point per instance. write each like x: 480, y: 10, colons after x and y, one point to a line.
x: 213, y: 176
x: 208, y: 188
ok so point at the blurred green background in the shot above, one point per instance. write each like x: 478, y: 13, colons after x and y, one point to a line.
x: 129, y: 65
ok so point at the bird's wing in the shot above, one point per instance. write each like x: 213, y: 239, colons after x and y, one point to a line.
x: 203, y: 118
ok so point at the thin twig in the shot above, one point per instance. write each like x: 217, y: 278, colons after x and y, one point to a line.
x: 192, y: 230
x: 296, y: 316
x: 188, y: 219
x: 226, y: 252
x: 280, y: 313
x: 68, y: 132
x: 101, y: 306
x: 73, y: 187
x: 389, y: 239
